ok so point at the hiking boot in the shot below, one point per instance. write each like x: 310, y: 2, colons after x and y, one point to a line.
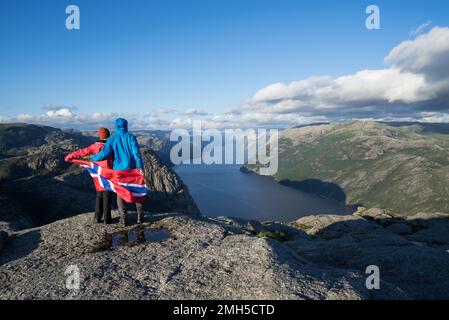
x: 98, y: 218
x: 107, y: 218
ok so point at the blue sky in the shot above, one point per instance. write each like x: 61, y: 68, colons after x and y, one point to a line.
x: 134, y: 56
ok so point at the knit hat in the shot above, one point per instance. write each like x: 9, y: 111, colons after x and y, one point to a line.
x: 103, y: 133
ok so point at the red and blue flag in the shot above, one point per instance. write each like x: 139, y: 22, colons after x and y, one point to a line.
x: 127, y: 184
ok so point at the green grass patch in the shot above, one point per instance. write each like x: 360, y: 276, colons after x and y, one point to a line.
x: 276, y: 235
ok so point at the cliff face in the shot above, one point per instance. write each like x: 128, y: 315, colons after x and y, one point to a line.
x: 38, y: 187
x: 166, y: 191
x: 184, y: 257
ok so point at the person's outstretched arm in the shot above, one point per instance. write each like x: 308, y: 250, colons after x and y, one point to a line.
x: 80, y: 153
x: 105, y: 153
x: 136, y: 153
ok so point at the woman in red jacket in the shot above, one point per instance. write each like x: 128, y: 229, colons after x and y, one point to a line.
x: 104, y: 197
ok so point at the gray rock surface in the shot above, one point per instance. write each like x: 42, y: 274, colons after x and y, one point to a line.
x: 416, y: 262
x: 373, y: 214
x: 202, y: 259
x: 252, y: 226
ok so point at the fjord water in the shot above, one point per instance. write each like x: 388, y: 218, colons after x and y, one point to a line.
x: 223, y: 190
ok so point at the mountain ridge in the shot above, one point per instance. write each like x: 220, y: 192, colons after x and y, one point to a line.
x: 402, y: 168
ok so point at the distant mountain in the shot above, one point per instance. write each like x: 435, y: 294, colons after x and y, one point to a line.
x: 38, y: 187
x: 311, y: 125
x: 159, y: 142
x: 399, y: 166
x: 30, y: 150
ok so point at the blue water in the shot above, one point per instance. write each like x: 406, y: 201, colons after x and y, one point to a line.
x: 223, y: 190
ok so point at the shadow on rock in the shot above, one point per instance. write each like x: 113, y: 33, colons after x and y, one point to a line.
x: 318, y: 187
x: 20, y: 245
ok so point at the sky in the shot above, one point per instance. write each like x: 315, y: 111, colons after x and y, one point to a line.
x: 251, y: 63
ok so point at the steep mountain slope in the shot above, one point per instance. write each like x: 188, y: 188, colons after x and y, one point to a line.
x: 34, y: 177
x: 403, y: 168
x: 30, y: 150
x: 159, y: 142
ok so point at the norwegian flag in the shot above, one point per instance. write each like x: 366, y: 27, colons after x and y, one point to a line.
x: 127, y: 184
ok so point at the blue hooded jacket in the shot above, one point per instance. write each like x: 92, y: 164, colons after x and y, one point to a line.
x: 123, y: 145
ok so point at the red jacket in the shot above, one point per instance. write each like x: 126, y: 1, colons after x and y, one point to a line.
x: 91, y: 150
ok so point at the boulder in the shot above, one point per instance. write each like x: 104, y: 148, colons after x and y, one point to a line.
x: 252, y: 226
x: 333, y: 226
x: 374, y: 214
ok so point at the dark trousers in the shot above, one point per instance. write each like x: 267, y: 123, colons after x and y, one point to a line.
x: 103, y: 206
x: 121, y: 204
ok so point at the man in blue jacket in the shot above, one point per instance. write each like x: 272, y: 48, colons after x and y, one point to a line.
x: 123, y: 145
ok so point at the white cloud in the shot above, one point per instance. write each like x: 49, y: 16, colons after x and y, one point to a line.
x: 416, y: 81
x: 67, y: 118
x: 51, y: 107
x: 4, y: 119
x: 389, y: 85
x: 247, y: 120
x: 163, y: 110
x: 434, y: 117
x: 420, y: 28
x: 60, y: 113
x: 428, y: 54
x: 232, y: 111
x: 193, y: 112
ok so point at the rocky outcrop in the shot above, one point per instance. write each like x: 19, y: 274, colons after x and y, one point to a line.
x: 166, y: 191
x: 412, y: 253
x: 175, y: 256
